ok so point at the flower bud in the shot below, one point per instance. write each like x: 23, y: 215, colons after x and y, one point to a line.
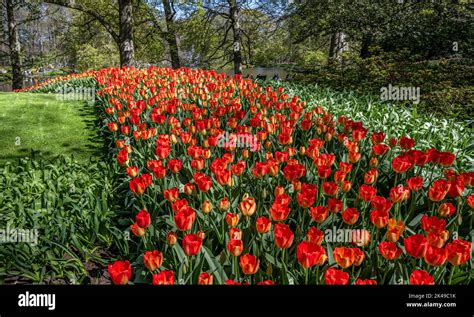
x: 206, y: 207
x: 171, y: 238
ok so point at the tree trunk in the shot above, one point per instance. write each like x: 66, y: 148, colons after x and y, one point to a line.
x: 237, y: 31
x: 126, y: 48
x: 337, y: 45
x: 366, y: 42
x: 332, y: 47
x: 171, y: 34
x: 14, y: 44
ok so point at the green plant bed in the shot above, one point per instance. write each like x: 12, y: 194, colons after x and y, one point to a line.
x: 42, y: 126
x: 68, y: 210
x: 445, y: 84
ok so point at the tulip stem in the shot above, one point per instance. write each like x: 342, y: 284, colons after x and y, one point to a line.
x: 451, y: 275
x: 190, y: 265
x: 305, y: 276
x: 236, y: 268
x: 174, y: 256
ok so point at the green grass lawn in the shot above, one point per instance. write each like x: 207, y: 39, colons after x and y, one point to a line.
x: 39, y: 125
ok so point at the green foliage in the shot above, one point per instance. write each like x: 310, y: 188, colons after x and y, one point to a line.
x: 445, y: 84
x: 71, y: 206
x: 427, y: 28
x: 89, y: 57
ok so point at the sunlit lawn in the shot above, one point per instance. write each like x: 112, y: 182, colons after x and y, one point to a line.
x: 40, y: 125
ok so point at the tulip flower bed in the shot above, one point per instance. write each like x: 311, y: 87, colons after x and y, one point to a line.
x: 229, y: 182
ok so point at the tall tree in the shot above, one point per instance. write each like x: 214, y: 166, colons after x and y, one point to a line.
x: 234, y: 14
x: 170, y: 34
x: 14, y: 45
x: 338, y: 45
x: 127, y: 51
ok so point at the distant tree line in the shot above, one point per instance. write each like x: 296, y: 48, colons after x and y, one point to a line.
x: 80, y: 34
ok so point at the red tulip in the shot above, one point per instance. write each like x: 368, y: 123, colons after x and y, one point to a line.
x: 159, y: 172
x: 367, y: 193
x: 416, y: 245
x: 432, y: 224
x: 421, y: 277
x: 260, y: 169
x: 203, y: 182
x: 415, y: 183
x: 333, y: 276
x: 435, y: 256
x: 380, y: 203
x: 307, y: 196
x: 140, y: 184
x: 263, y: 224
x: 406, y: 143
x: 380, y: 149
x: 345, y: 257
x: 438, y: 190
x: 137, y: 230
x: 379, y: 218
x: 184, y: 219
x: 163, y: 278
x: 235, y: 247
x: 249, y: 264
x: 294, y: 171
x: 456, y: 187
x: 279, y: 212
x: 370, y: 176
x: 330, y: 188
x: 283, y: 235
x: 191, y: 244
x: 401, y: 164
x: 319, y: 213
x: 399, y: 193
x: 132, y: 171
x: 247, y: 206
x: 324, y: 171
x: 365, y: 282
x: 377, y: 137
x: 446, y: 209
x: 143, y: 219
x: 310, y: 254
x: 315, y: 235
x: 180, y: 205
x: 235, y: 233
x: 458, y: 251
x: 175, y: 165
x: 334, y: 205
x: 120, y: 272
x: 445, y: 159
x: 152, y: 259
x: 266, y: 282
x: 346, y: 168
x: 171, y: 194
x: 205, y: 279
x: 389, y: 250
x: 350, y: 216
